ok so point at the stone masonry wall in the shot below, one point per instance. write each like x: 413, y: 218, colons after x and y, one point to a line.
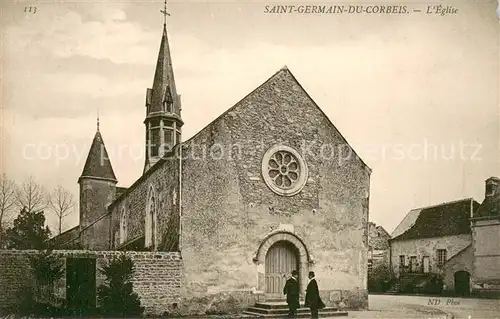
x: 164, y: 179
x: 427, y: 247
x: 95, y: 196
x: 157, y: 277
x: 96, y: 237
x: 228, y: 210
x: 486, y: 250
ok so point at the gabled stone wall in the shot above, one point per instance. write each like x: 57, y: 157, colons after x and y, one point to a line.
x: 228, y: 210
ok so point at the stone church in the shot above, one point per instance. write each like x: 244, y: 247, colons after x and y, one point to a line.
x: 269, y: 186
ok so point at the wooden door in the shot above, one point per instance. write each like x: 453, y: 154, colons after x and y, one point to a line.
x: 462, y: 283
x: 81, y: 285
x: 413, y: 264
x: 425, y: 263
x: 281, y: 259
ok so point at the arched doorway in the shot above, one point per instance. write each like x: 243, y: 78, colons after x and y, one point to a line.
x: 281, y: 258
x: 462, y: 283
x: 290, y: 242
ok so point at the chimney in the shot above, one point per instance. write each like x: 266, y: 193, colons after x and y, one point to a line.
x: 492, y: 187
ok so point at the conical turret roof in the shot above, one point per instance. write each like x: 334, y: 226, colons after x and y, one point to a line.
x: 98, y: 164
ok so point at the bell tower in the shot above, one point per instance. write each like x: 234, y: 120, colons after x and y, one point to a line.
x: 163, y: 106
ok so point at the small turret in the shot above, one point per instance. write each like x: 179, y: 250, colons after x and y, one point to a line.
x: 97, y: 182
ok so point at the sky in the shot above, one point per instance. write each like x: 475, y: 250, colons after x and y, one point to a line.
x: 415, y: 94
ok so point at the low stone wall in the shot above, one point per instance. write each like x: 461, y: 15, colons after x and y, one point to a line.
x: 157, y: 278
x: 355, y: 299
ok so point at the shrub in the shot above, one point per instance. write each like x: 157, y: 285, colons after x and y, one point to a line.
x: 380, y: 279
x: 40, y: 299
x: 117, y: 298
x: 434, y: 285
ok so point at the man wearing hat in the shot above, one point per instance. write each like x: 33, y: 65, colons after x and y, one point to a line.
x: 292, y: 292
x: 313, y: 300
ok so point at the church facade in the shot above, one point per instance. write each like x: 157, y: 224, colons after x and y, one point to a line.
x: 268, y: 187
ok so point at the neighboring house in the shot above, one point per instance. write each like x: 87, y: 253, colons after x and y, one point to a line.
x: 378, y: 246
x: 434, y: 240
x: 486, y: 241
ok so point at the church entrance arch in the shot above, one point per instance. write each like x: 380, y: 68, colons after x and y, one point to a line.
x: 280, y: 253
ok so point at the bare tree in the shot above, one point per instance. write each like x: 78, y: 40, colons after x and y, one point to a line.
x: 60, y: 202
x: 7, y: 202
x: 30, y: 196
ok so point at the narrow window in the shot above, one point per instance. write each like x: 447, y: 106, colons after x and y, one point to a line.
x: 154, y: 142
x: 150, y: 223
x: 123, y: 226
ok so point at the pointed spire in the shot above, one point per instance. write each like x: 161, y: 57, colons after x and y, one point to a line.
x: 164, y: 75
x: 98, y: 164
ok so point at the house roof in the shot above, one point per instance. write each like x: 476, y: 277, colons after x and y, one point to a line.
x: 446, y: 219
x: 380, y: 229
x: 98, y: 164
x: 407, y: 222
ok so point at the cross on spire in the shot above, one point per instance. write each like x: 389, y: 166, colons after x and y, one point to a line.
x: 98, y: 119
x: 165, y: 13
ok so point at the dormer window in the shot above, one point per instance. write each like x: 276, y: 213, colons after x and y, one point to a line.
x: 167, y: 106
x: 167, y: 100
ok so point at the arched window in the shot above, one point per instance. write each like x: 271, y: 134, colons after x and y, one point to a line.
x: 150, y: 225
x: 123, y: 226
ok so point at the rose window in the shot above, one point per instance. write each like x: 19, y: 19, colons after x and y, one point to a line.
x: 284, y: 170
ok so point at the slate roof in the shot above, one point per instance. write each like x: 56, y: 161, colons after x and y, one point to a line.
x: 163, y: 82
x: 119, y: 191
x: 98, y: 163
x: 65, y: 236
x: 446, y: 219
x: 489, y: 208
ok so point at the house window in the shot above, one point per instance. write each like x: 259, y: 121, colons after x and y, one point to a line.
x: 401, y: 261
x: 150, y: 224
x: 441, y: 257
x: 123, y: 226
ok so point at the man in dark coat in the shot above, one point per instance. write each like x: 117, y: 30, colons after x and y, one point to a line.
x: 313, y: 300
x: 292, y: 292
